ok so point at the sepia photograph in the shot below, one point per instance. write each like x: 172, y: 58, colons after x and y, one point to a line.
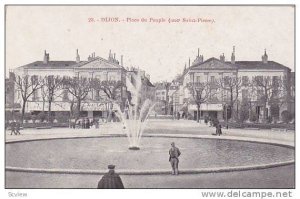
x: 149, y: 97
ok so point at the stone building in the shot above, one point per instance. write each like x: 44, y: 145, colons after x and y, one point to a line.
x: 96, y: 104
x: 219, y: 71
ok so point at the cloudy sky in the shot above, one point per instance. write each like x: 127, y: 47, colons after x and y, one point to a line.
x: 162, y: 49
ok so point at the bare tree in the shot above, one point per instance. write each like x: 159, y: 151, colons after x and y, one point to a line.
x: 27, y: 85
x: 167, y: 87
x: 267, y: 89
x: 50, y: 86
x: 201, y: 92
x: 79, y: 88
x: 112, y: 91
x: 232, y: 86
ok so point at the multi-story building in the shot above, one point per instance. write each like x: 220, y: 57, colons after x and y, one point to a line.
x: 219, y: 72
x: 96, y: 103
x: 166, y: 94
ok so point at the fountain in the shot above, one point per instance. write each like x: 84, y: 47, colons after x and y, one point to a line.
x: 134, y: 117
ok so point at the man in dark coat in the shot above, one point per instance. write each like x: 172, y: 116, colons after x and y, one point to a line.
x: 173, y: 159
x: 111, y: 180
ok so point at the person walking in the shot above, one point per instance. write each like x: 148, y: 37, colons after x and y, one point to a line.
x: 173, y: 159
x: 218, y: 129
x: 17, y: 132
x: 111, y: 180
x: 13, y: 127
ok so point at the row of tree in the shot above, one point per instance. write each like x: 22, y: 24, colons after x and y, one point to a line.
x: 51, y: 87
x: 264, y: 90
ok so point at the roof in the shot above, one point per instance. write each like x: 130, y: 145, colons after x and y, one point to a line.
x: 97, y: 62
x: 50, y: 64
x: 258, y: 65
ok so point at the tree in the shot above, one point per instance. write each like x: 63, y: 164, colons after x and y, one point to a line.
x: 27, y: 85
x: 112, y: 91
x: 167, y: 87
x: 50, y: 85
x: 267, y: 91
x: 232, y: 85
x: 200, y: 93
x: 78, y: 87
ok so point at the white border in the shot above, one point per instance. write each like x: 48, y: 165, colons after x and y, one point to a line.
x: 141, y: 193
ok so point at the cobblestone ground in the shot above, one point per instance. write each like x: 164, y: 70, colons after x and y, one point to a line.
x: 279, y: 177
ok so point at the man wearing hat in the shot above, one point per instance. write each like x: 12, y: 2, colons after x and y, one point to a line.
x: 173, y: 159
x: 110, y: 180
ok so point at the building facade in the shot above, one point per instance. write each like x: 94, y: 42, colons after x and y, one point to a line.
x: 97, y: 103
x: 227, y: 86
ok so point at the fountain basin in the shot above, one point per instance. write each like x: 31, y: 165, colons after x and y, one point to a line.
x: 97, y: 153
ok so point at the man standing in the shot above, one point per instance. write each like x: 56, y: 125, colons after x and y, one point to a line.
x: 173, y: 159
x: 111, y: 180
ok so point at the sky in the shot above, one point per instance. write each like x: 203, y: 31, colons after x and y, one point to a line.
x: 161, y: 49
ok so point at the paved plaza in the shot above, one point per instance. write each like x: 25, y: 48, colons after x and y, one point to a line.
x: 276, y: 177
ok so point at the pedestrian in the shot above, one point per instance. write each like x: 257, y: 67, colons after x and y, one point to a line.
x: 17, y: 128
x: 83, y: 123
x: 219, y: 129
x: 173, y: 159
x: 111, y: 180
x: 178, y: 116
x: 205, y: 120
x: 87, y: 123
x: 13, y: 127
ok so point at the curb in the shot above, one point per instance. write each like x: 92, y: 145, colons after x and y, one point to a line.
x: 148, y: 172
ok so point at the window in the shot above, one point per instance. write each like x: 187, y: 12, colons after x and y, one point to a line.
x: 275, y: 81
x: 97, y: 96
x: 65, y: 95
x: 226, y: 80
x: 245, y: 94
x: 245, y: 80
x: 260, y: 94
x: 259, y: 79
x: 35, y: 95
x: 198, y: 79
x: 212, y: 79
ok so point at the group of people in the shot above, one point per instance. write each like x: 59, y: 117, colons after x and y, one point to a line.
x: 214, y: 122
x: 183, y: 115
x: 111, y: 180
x: 86, y: 123
x: 15, y: 128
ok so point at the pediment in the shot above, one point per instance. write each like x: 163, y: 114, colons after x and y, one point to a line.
x: 214, y: 64
x: 100, y: 63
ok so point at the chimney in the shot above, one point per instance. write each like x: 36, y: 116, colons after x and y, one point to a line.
x: 77, y: 56
x: 201, y: 58
x: 233, y: 56
x: 265, y: 57
x: 189, y: 62
x: 198, y: 52
x: 121, y: 60
x: 222, y: 58
x: 114, y: 56
x: 46, y: 58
